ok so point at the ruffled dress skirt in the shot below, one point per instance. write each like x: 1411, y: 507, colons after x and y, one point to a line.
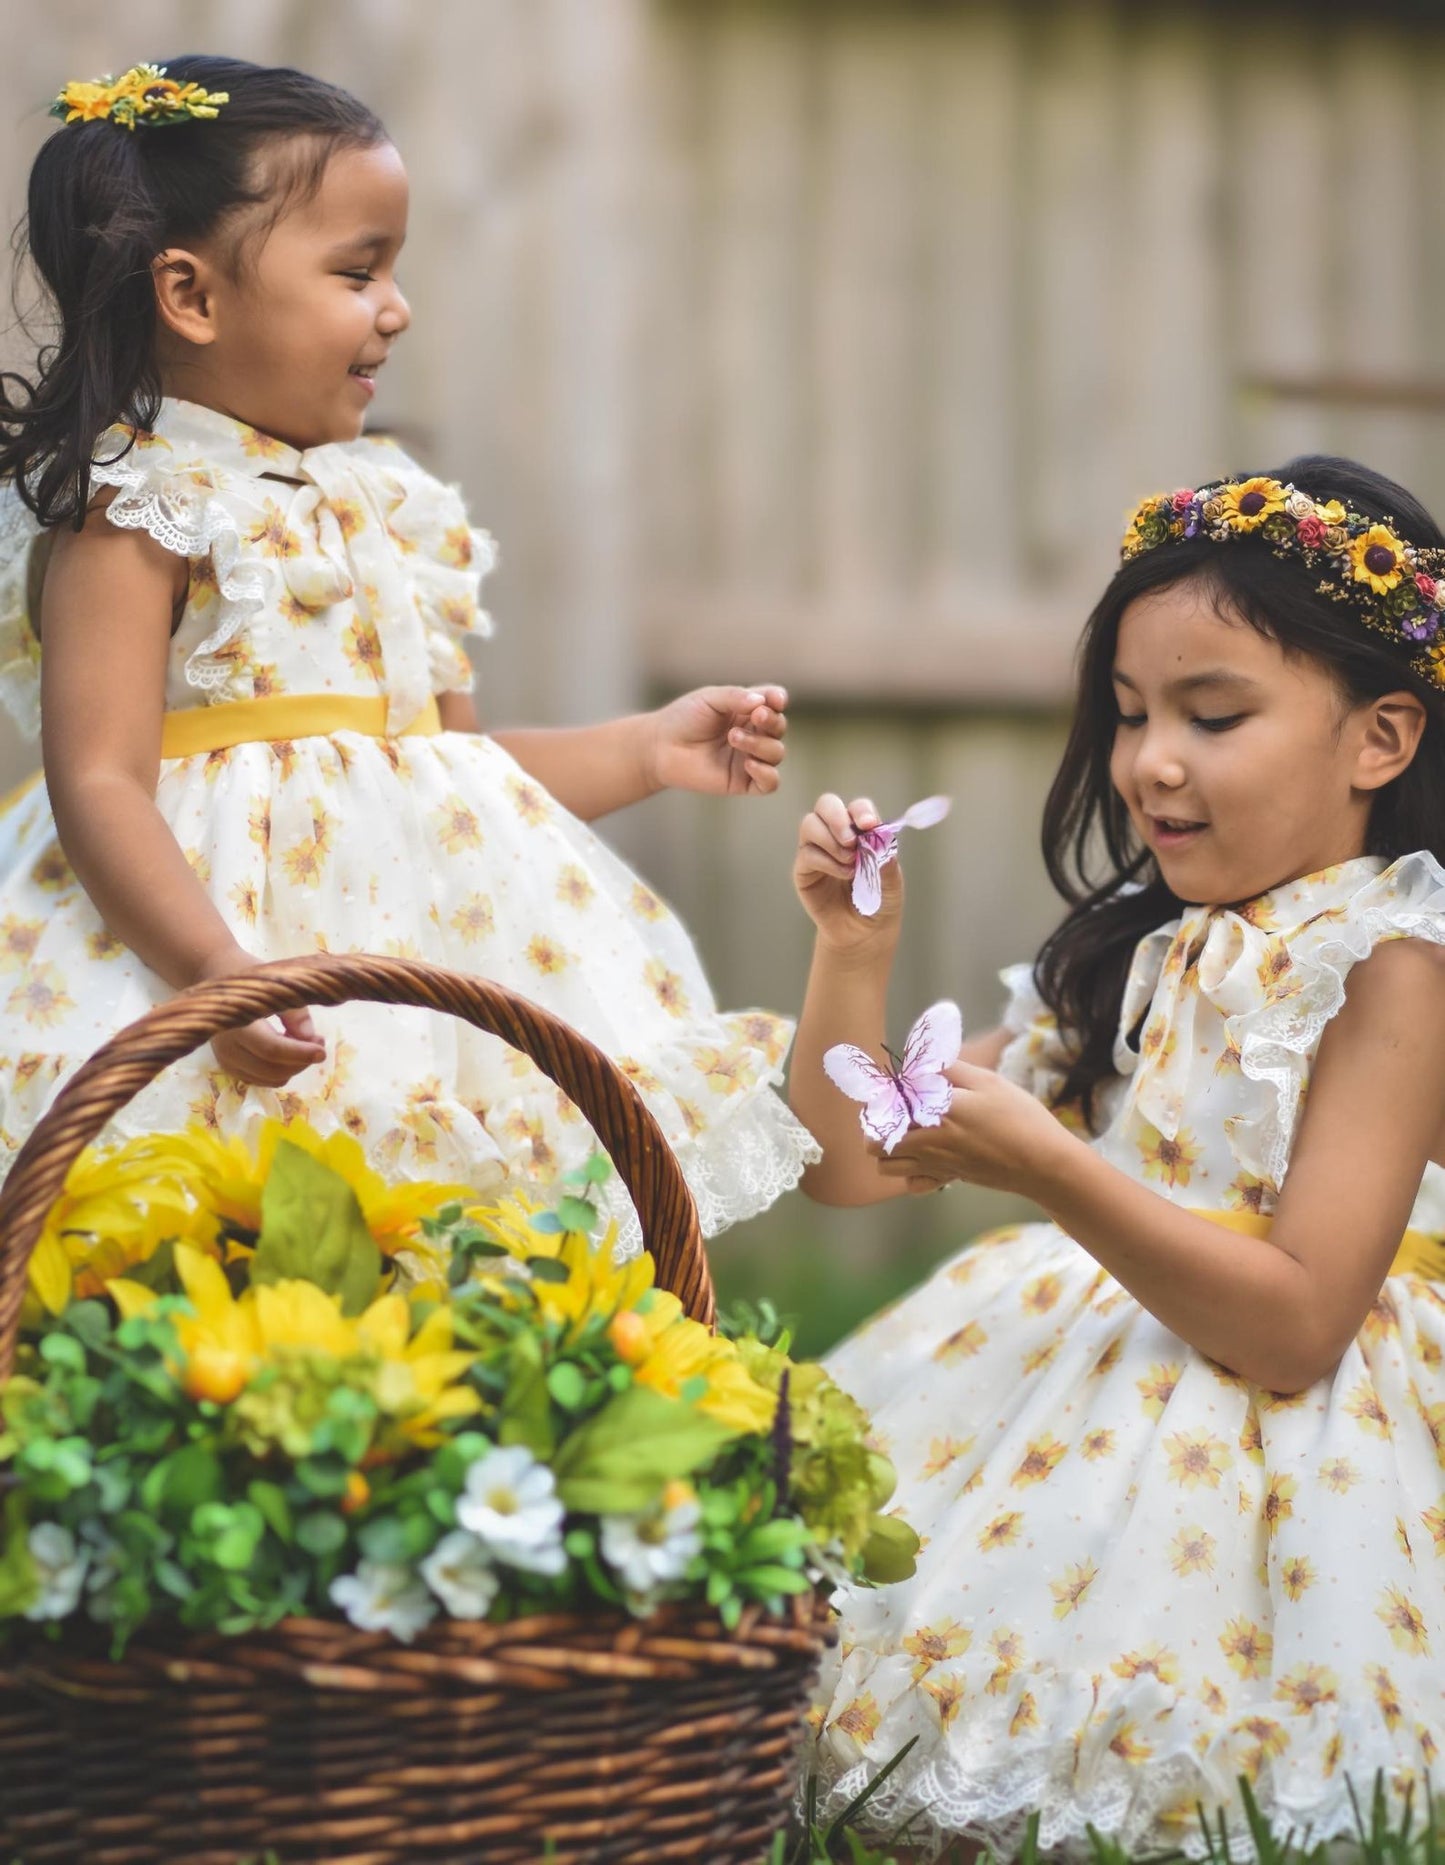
x: 435, y: 848
x: 1141, y: 1578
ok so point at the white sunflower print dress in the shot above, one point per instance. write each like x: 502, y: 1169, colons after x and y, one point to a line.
x: 347, y: 570
x: 1142, y: 1577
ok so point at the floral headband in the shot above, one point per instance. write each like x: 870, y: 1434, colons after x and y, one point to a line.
x: 144, y: 94
x: 1397, y: 588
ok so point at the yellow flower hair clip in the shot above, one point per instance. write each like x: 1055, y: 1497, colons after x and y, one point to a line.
x: 144, y: 94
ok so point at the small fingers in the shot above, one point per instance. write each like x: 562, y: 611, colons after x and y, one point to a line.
x: 763, y: 779
x: 863, y: 813
x: 759, y: 745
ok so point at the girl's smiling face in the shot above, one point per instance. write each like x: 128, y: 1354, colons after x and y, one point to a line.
x: 287, y: 331
x: 1242, y: 767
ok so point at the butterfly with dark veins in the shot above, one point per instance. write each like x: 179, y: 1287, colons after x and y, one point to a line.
x: 912, y: 1091
x: 876, y: 847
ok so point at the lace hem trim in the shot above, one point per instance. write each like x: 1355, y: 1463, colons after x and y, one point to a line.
x: 983, y: 1781
x: 734, y: 1170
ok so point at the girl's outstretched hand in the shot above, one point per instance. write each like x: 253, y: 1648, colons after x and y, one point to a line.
x: 823, y: 876
x: 268, y: 1052
x: 994, y: 1134
x: 721, y: 740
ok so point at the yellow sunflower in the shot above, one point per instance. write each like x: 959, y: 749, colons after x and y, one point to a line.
x: 1244, y: 507
x: 231, y: 1179
x: 1377, y: 557
x: 118, y: 1206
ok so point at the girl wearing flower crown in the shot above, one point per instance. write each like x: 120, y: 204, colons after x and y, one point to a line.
x: 254, y: 695
x: 1175, y: 1450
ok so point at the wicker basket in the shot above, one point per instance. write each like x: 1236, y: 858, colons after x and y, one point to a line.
x: 606, y: 1738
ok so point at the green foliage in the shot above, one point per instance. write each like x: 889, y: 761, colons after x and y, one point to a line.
x: 200, y: 1463
x: 312, y: 1229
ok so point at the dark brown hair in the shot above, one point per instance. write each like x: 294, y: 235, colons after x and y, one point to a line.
x: 103, y: 202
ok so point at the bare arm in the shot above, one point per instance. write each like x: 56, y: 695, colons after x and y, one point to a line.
x: 719, y: 740
x: 109, y: 599
x: 1280, y: 1311
x: 846, y: 1002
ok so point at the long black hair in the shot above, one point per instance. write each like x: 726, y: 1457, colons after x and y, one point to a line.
x: 1111, y: 881
x: 103, y: 202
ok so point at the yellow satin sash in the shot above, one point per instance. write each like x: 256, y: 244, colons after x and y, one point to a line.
x: 1419, y: 1253
x: 196, y: 729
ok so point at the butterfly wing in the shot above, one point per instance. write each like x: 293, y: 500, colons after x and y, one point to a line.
x: 868, y: 864
x: 884, y: 1114
x: 923, y: 815
x: 933, y: 1045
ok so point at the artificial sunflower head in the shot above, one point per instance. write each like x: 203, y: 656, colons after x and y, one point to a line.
x: 231, y: 1179
x: 1377, y: 559
x: 1247, y: 505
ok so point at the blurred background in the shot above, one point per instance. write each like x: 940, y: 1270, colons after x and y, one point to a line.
x: 829, y: 343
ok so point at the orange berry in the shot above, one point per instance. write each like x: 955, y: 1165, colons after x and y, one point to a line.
x: 358, y: 1493
x: 214, y: 1373
x: 628, y: 1335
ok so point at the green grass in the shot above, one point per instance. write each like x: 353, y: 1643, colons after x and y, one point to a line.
x: 1416, y: 1836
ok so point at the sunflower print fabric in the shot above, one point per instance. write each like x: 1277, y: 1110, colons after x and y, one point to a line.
x: 348, y: 570
x: 1141, y: 1577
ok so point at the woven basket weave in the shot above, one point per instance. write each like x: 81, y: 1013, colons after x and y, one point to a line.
x: 608, y: 1739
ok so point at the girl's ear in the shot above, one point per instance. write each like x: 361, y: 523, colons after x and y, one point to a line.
x: 185, y: 295
x: 1392, y: 727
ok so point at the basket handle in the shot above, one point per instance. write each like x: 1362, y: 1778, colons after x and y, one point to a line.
x: 120, y: 1068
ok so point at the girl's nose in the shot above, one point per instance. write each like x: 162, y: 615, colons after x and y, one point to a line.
x: 1158, y: 762
x: 395, y: 315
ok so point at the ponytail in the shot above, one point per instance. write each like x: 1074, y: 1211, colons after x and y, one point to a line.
x: 103, y: 203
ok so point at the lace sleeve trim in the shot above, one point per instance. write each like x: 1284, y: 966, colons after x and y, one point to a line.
x: 181, y: 510
x: 19, y: 643
x: 1278, y: 1040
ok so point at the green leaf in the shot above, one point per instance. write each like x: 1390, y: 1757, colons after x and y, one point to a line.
x: 63, y: 1350
x: 19, y: 1582
x: 567, y: 1384
x: 577, y: 1214
x: 312, y: 1227
x: 323, y: 1476
x: 526, y: 1415
x: 321, y: 1532
x: 889, y: 1551
x: 620, y: 1459
x: 184, y: 1480
x: 270, y: 1499
x: 548, y: 1269
x: 158, y: 1271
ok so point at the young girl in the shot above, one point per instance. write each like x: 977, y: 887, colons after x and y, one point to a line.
x: 1175, y: 1452
x: 254, y: 695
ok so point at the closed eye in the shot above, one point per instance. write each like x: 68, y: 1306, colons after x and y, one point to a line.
x: 1224, y: 723
x: 362, y: 277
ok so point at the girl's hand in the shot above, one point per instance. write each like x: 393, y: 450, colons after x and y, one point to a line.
x: 995, y: 1134
x: 268, y: 1052
x: 823, y: 877
x: 720, y: 740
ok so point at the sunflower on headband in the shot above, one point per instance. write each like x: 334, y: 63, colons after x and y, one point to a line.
x: 1397, y: 588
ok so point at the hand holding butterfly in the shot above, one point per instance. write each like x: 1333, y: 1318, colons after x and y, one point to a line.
x: 994, y: 1133
x: 823, y: 874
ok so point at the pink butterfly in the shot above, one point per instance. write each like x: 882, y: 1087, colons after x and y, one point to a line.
x: 877, y: 847
x: 914, y: 1092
